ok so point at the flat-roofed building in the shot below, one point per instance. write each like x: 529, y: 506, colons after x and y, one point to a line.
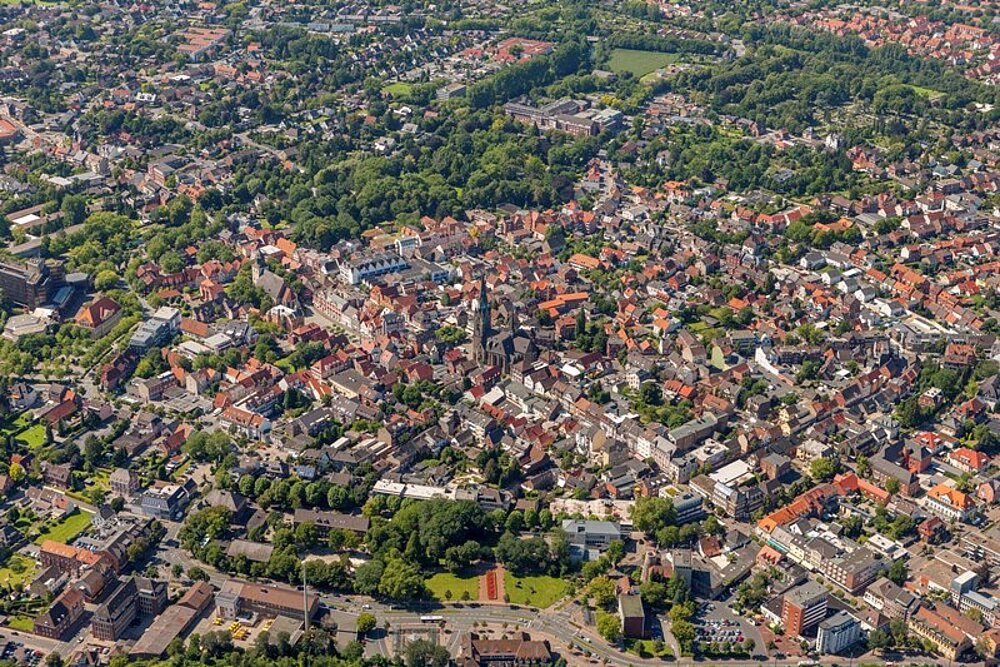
x: 803, y: 607
x: 838, y: 633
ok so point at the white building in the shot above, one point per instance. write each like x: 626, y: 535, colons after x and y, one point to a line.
x: 838, y: 633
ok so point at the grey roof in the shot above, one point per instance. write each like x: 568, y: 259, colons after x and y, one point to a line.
x: 806, y: 593
x: 841, y: 618
x: 631, y: 606
x: 592, y: 527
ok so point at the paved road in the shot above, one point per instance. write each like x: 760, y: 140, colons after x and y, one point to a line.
x: 557, y: 623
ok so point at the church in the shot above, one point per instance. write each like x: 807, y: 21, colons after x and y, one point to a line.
x: 503, y: 348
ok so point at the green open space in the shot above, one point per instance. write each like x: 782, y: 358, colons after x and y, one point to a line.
x: 639, y: 63
x: 646, y: 648
x: 718, y: 359
x: 929, y: 93
x: 67, y: 529
x: 397, y: 88
x: 33, y: 436
x: 534, y: 591
x: 442, y: 582
x: 22, y: 623
x: 19, y: 569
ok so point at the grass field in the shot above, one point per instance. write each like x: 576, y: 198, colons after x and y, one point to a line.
x: 22, y: 421
x: 445, y: 581
x: 397, y: 88
x: 19, y: 568
x: 644, y: 648
x: 640, y: 63
x: 66, y: 529
x: 33, y: 436
x: 718, y: 359
x: 929, y: 93
x: 22, y: 623
x: 534, y: 591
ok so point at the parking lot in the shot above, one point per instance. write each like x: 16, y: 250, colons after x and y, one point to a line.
x: 717, y: 623
x: 16, y: 652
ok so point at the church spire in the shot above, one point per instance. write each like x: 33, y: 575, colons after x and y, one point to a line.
x: 481, y: 331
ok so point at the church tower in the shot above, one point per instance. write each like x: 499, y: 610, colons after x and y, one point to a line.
x: 481, y: 324
x: 258, y: 267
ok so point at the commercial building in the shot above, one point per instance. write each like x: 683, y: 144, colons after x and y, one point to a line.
x: 949, y: 503
x: 803, y: 607
x: 947, y: 639
x: 30, y: 283
x: 853, y: 571
x: 165, y: 502
x: 892, y: 600
x: 360, y: 269
x: 591, y: 534
x: 688, y: 507
x: 238, y: 598
x: 838, y: 633
x: 133, y: 596
x: 173, y: 622
x: 987, y: 606
x: 157, y: 329
x: 516, y: 652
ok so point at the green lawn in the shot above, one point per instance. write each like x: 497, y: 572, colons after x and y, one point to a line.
x: 22, y: 421
x: 33, y: 436
x: 718, y: 359
x: 66, y: 529
x: 19, y: 568
x: 534, y: 591
x: 397, y: 88
x: 445, y: 581
x: 929, y: 93
x: 181, y: 469
x: 640, y: 63
x: 22, y: 623
x: 644, y: 649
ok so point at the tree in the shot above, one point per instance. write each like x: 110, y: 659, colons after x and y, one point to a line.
x: 604, y: 591
x: 74, y: 210
x: 712, y: 526
x: 366, y: 623
x: 897, y: 572
x: 609, y: 627
x: 217, y: 643
x: 615, y: 551
x: 878, y: 640
x: 423, y: 653
x: 822, y: 470
x: 367, y: 577
x: 651, y: 514
x: 402, y: 581
x: 684, y: 633
x: 655, y: 594
x: 892, y: 485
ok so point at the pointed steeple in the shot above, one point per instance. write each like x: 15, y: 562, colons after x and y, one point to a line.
x: 481, y: 330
